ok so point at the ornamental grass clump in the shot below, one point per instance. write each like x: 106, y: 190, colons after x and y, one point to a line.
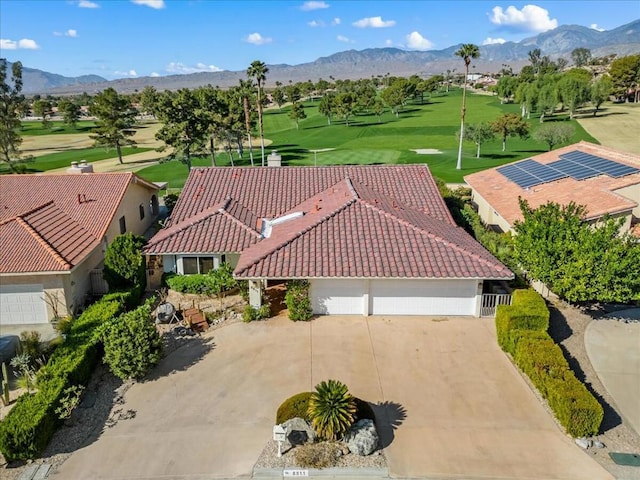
x: 331, y: 409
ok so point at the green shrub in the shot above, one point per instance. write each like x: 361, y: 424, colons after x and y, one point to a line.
x: 128, y: 298
x: 124, y: 264
x: 528, y: 311
x: 251, y: 314
x: 332, y: 409
x: 292, y: 407
x: 214, y: 282
x: 170, y: 201
x: 574, y: 406
x: 63, y: 325
x: 31, y: 344
x: 132, y: 345
x: 297, y: 300
x: 316, y: 455
x: 29, y: 425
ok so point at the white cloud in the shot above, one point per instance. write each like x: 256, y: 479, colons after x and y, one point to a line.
x: 69, y: 33
x: 530, y: 19
x: 181, y: 68
x: 344, y: 39
x: 493, y: 41
x: 416, y: 41
x: 308, y: 6
x: 257, y: 39
x: 374, y: 22
x: 154, y: 74
x: 24, y: 43
x: 156, y: 4
x: 336, y: 21
x: 87, y: 4
x: 388, y: 42
x: 316, y: 23
x: 595, y: 26
x: 130, y: 73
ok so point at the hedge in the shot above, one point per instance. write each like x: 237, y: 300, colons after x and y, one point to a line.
x: 528, y: 311
x: 522, y: 331
x: 29, y: 425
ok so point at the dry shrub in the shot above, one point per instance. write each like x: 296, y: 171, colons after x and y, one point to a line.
x: 317, y: 455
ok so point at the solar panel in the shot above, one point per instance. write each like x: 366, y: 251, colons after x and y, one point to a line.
x: 543, y: 172
x: 573, y: 169
x: 519, y: 176
x: 599, y: 164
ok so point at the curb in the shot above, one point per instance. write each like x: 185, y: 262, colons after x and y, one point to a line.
x: 377, y: 473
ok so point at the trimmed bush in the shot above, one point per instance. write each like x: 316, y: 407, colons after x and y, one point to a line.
x: 251, y: 314
x: 214, y: 282
x: 29, y: 425
x: 528, y: 311
x: 292, y: 407
x: 124, y: 264
x: 574, y: 406
x: 298, y: 301
x: 132, y: 345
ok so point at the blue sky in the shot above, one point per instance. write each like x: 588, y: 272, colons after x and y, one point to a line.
x: 133, y: 38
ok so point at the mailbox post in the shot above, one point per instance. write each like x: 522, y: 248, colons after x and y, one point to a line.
x: 279, y: 435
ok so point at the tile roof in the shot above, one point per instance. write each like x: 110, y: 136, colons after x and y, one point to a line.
x: 599, y: 194
x: 52, y: 222
x: 373, y: 221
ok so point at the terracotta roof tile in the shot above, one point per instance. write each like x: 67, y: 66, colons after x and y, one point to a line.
x: 598, y: 194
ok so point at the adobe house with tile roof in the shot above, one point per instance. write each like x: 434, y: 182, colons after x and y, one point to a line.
x: 54, y: 230
x: 371, y: 240
x: 576, y: 173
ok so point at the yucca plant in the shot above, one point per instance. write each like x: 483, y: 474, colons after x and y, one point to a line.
x: 332, y: 409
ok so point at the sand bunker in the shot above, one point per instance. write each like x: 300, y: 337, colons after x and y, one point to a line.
x: 426, y: 151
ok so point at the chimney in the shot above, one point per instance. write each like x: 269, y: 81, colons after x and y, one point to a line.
x: 274, y: 159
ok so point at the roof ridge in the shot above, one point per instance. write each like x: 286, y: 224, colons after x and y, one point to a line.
x: 28, y: 212
x: 47, y: 246
x: 189, y: 222
x: 224, y: 212
x: 308, y: 228
x: 435, y: 237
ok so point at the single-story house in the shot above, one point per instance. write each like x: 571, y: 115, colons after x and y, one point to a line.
x: 371, y: 240
x: 605, y: 180
x: 54, y: 231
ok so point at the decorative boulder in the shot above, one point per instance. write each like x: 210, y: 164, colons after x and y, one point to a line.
x: 299, y: 431
x: 362, y: 437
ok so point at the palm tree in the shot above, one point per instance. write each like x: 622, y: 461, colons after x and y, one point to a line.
x: 258, y: 71
x: 245, y: 91
x: 466, y: 52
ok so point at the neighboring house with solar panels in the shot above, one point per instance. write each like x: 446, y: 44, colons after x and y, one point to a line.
x: 606, y: 181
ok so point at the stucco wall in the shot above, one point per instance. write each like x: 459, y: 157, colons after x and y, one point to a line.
x: 487, y: 213
x: 632, y: 192
x: 129, y: 208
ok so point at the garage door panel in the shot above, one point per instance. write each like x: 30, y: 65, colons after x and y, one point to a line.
x: 337, y: 297
x: 423, y: 297
x: 22, y: 304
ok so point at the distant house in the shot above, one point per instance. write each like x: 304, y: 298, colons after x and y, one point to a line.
x: 371, y: 240
x: 54, y: 231
x: 606, y: 181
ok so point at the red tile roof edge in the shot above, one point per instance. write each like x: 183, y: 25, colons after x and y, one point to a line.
x: 56, y: 256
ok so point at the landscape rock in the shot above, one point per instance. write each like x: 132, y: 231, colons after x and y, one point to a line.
x: 598, y: 444
x: 583, y: 442
x: 299, y: 431
x: 362, y: 438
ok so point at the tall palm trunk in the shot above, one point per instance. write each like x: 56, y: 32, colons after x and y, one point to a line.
x: 119, y: 150
x: 260, y: 123
x: 248, y: 126
x: 464, y: 110
x: 212, y: 149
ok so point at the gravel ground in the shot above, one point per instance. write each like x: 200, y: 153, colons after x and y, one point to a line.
x: 567, y: 327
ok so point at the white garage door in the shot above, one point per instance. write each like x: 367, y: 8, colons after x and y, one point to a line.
x: 22, y: 304
x: 337, y: 297
x: 423, y: 297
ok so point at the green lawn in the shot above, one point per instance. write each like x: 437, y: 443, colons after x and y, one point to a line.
x: 64, y: 159
x: 34, y: 128
x: 366, y: 141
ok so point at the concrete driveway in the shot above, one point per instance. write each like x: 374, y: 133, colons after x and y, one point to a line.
x: 450, y: 404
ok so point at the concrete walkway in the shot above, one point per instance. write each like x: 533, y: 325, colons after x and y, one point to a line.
x: 614, y: 350
x: 449, y: 403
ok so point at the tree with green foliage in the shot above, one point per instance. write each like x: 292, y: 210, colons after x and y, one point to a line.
x: 149, y: 100
x: 479, y: 133
x: 600, y: 91
x: 70, y: 112
x: 297, y: 114
x: 213, y: 107
x: 345, y: 104
x: 185, y: 124
x: 327, y: 106
x: 246, y: 94
x: 574, y: 91
x: 115, y: 120
x: 293, y: 93
x: 581, y: 56
x: 332, y: 409
x: 547, y: 99
x: 378, y: 108
x: 506, y: 88
x: 278, y: 96
x: 393, y: 96
x: 535, y: 57
x: 577, y: 260
x: 258, y: 71
x: 510, y: 125
x: 625, y: 74
x: 124, y: 265
x: 10, y: 100
x: 43, y: 108
x: 467, y: 52
x: 554, y: 134
x: 132, y: 344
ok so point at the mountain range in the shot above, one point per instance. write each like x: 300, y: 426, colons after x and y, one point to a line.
x: 559, y: 42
